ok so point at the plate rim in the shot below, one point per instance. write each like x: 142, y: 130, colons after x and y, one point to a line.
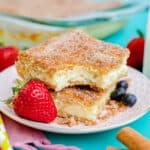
x: 93, y: 129
x: 61, y: 131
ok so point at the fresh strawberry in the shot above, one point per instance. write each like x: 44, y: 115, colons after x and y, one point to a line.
x: 136, y: 47
x: 34, y: 102
x: 8, y: 56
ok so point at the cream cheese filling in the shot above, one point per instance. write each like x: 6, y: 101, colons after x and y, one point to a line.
x: 79, y: 75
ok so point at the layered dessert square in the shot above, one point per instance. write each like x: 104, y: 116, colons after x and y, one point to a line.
x: 72, y: 59
x: 81, y: 103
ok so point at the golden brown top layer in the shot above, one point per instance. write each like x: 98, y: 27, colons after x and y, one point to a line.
x: 53, y: 8
x: 77, y: 48
x: 83, y: 95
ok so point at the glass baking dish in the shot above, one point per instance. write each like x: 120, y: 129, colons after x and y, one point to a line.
x: 25, y: 32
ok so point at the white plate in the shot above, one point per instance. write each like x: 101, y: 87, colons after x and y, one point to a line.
x: 140, y: 86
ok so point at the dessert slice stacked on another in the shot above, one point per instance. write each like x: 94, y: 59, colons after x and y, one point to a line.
x: 82, y: 103
x: 70, y: 62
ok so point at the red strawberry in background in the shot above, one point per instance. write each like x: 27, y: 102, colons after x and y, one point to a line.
x: 136, y: 47
x: 34, y: 102
x: 8, y: 56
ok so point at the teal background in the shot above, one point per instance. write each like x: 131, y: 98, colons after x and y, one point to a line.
x: 99, y: 141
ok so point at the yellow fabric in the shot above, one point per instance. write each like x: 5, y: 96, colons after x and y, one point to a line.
x: 4, y: 144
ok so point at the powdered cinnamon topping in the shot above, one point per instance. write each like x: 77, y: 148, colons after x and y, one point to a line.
x: 77, y: 47
x: 86, y: 97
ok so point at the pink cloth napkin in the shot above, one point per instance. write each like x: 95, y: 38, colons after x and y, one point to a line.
x: 20, y: 136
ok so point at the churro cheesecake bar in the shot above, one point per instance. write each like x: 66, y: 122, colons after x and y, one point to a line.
x: 74, y: 58
x: 81, y: 103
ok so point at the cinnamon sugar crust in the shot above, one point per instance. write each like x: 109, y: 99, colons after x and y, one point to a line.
x: 84, y: 95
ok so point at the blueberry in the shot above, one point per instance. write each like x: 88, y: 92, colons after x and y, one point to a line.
x: 118, y: 94
x: 122, y: 84
x: 129, y: 99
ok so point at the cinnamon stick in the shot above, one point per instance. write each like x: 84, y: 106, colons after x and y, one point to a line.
x: 133, y: 140
x: 112, y: 148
